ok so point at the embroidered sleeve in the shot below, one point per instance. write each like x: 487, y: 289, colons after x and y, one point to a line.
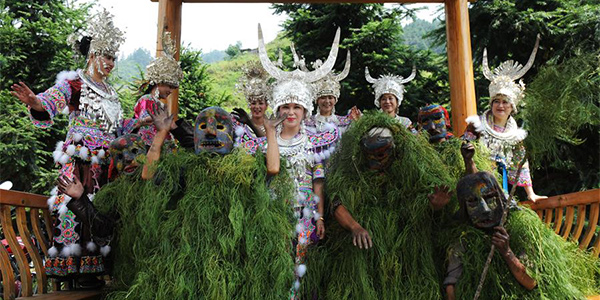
x: 128, y: 126
x: 54, y: 100
x: 525, y: 175
x: 144, y: 106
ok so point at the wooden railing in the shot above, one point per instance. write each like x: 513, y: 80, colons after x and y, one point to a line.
x: 36, y: 245
x: 573, y: 216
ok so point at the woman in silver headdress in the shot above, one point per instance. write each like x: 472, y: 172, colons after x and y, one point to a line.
x: 164, y: 75
x: 254, y: 85
x: 302, y: 151
x: 389, y: 93
x: 95, y: 119
x: 498, y: 129
x: 327, y: 95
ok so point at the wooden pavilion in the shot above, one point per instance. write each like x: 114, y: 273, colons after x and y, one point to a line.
x: 460, y: 64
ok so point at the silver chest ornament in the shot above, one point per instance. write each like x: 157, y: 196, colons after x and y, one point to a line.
x: 102, y: 107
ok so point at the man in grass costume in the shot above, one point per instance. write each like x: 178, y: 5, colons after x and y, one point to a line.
x: 531, y: 261
x: 379, y: 186
x: 206, y: 227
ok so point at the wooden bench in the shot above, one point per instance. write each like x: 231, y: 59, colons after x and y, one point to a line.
x: 34, y: 206
x: 574, y: 217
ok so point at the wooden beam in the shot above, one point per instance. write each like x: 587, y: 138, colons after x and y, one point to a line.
x: 578, y: 198
x: 169, y: 19
x: 16, y: 198
x: 460, y: 64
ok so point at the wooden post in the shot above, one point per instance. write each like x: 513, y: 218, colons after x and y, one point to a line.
x: 169, y: 19
x: 460, y: 64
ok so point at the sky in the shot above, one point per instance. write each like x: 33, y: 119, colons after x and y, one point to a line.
x: 205, y: 26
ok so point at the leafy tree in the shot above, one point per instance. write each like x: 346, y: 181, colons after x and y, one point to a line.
x: 128, y: 68
x: 33, y: 50
x: 234, y: 50
x: 416, y: 35
x: 374, y: 36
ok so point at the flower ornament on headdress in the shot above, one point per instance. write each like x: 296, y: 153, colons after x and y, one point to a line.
x: 165, y: 69
x: 254, y: 83
x: 503, y: 77
x: 389, y: 84
x: 295, y: 86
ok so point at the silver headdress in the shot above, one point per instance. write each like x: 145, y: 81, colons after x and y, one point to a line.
x: 106, y: 38
x: 295, y: 86
x: 503, y: 77
x: 389, y: 84
x: 165, y: 69
x: 254, y: 83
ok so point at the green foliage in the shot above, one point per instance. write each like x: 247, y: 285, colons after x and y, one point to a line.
x: 131, y: 67
x: 205, y: 228
x: 374, y: 36
x: 560, y: 269
x: 234, y: 50
x: 195, y: 90
x: 416, y: 35
x: 563, y: 141
x: 34, y: 50
x: 393, y: 206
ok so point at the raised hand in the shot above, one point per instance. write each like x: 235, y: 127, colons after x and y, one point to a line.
x: 467, y: 150
x: 162, y: 119
x: 355, y: 113
x: 241, y: 115
x: 273, y: 121
x: 72, y: 188
x: 24, y: 93
x: 439, y: 198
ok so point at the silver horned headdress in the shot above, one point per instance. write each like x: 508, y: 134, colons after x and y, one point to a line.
x: 165, y: 68
x: 254, y: 83
x: 295, y: 86
x: 106, y: 37
x: 328, y: 85
x: 389, y: 84
x: 502, y: 79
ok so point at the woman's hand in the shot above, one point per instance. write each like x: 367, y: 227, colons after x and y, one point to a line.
x: 355, y: 113
x: 241, y: 115
x: 24, y: 93
x: 321, y: 228
x: 361, y: 238
x: 72, y: 188
x: 274, y: 121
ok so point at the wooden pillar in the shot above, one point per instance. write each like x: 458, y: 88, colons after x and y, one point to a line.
x: 460, y: 64
x: 169, y: 19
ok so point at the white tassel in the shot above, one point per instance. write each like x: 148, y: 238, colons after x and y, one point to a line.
x: 66, y: 199
x: 297, y: 285
x: 476, y: 122
x: 101, y: 153
x: 62, y: 209
x: 56, y: 155
x: 328, y: 127
x: 299, y: 228
x: 317, y: 216
x: 322, y: 157
x: 105, y: 250
x: 77, y: 137
x: 317, y: 199
x: 66, y: 75
x: 75, y: 250
x: 64, y: 158
x: 65, y: 110
x: 332, y: 149
x: 239, y: 131
x: 91, y: 197
x: 66, y: 251
x: 52, y: 252
x: 301, y: 270
x: 54, y: 191
x: 305, y: 212
x: 327, y: 154
x: 84, y: 152
x: 70, y: 150
x: 51, y: 201
x: 95, y: 160
x: 59, y: 146
x: 91, y: 246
